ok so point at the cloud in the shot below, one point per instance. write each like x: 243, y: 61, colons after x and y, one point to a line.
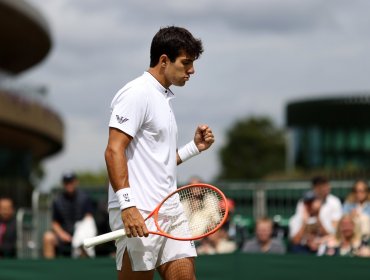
x: 258, y: 56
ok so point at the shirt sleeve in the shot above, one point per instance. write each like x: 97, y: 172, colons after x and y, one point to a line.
x: 295, y: 223
x: 337, y: 210
x: 128, y: 111
x: 56, y: 217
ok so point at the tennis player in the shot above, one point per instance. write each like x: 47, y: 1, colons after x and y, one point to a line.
x: 142, y: 155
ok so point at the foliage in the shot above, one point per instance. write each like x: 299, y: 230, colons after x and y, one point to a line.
x: 254, y: 148
x: 92, y: 179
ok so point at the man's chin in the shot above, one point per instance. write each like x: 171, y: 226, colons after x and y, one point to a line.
x: 180, y: 84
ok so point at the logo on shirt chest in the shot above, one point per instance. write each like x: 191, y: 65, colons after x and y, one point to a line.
x: 121, y: 119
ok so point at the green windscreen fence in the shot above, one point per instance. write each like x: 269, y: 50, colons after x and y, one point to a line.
x: 216, y: 267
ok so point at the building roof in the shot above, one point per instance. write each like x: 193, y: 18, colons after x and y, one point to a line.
x: 330, y: 111
x: 24, y: 35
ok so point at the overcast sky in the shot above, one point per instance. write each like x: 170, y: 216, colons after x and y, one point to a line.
x: 259, y: 55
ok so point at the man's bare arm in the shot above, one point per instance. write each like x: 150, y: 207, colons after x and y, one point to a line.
x: 116, y: 161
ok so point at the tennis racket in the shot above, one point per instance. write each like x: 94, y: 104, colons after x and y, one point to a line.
x: 203, y: 209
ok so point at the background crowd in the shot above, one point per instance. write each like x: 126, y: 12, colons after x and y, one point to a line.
x: 321, y: 225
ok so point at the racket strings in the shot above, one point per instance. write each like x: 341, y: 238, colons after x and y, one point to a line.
x: 203, y: 211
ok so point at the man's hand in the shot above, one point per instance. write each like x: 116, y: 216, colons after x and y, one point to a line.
x: 315, y: 207
x: 65, y: 237
x: 203, y: 137
x: 134, y: 223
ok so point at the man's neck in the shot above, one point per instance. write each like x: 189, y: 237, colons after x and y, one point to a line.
x: 158, y: 74
x: 265, y: 245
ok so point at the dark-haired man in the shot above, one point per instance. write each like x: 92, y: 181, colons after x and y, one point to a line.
x: 69, y: 207
x: 142, y: 155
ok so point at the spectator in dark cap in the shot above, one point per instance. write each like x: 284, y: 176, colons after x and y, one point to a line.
x: 331, y: 207
x: 69, y: 208
x: 306, y: 229
x: 69, y: 177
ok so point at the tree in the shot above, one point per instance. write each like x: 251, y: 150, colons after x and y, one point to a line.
x: 254, y: 148
x: 92, y: 179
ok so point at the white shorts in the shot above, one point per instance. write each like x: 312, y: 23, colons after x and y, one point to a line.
x: 147, y: 253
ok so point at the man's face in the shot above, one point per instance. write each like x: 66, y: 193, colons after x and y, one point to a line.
x: 6, y: 209
x: 178, y: 72
x: 346, y: 228
x: 322, y: 190
x: 263, y: 231
x: 360, y: 192
x: 313, y: 207
x: 70, y: 186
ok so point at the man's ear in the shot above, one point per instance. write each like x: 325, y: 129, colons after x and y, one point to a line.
x: 163, y: 60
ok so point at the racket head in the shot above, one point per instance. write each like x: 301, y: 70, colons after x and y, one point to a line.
x: 204, y: 210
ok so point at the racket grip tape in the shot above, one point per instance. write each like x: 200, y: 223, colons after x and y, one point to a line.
x: 103, y: 238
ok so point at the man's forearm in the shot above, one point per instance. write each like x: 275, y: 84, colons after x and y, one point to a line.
x: 297, y: 238
x: 117, y: 168
x: 58, y: 229
x: 322, y: 229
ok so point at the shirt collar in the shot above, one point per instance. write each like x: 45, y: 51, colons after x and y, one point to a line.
x: 165, y: 91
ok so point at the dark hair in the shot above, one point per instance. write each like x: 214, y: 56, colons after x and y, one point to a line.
x: 319, y: 180
x: 363, y: 181
x: 171, y: 41
x: 351, y: 196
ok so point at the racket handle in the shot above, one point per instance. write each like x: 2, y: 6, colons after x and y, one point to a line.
x: 103, y: 238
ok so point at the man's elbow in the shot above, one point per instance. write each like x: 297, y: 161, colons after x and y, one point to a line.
x: 109, y: 153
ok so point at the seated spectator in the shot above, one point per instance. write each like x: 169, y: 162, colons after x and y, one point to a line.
x: 346, y: 242
x: 306, y: 229
x: 72, y: 221
x: 357, y: 204
x: 201, y: 207
x: 216, y: 243
x: 331, y: 207
x: 220, y: 242
x: 235, y: 230
x: 8, y: 236
x: 263, y: 241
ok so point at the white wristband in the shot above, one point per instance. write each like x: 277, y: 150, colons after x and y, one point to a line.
x: 125, y: 198
x: 188, y: 151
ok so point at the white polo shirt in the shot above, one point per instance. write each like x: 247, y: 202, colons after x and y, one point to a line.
x: 330, y: 211
x: 142, y: 109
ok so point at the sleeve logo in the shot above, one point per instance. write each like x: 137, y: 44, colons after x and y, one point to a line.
x: 121, y: 119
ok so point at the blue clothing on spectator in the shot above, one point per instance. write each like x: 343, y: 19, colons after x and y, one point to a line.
x: 349, y: 206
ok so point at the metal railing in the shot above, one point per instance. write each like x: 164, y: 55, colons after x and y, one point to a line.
x: 25, y: 229
x: 32, y: 224
x: 276, y: 200
x: 264, y: 198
